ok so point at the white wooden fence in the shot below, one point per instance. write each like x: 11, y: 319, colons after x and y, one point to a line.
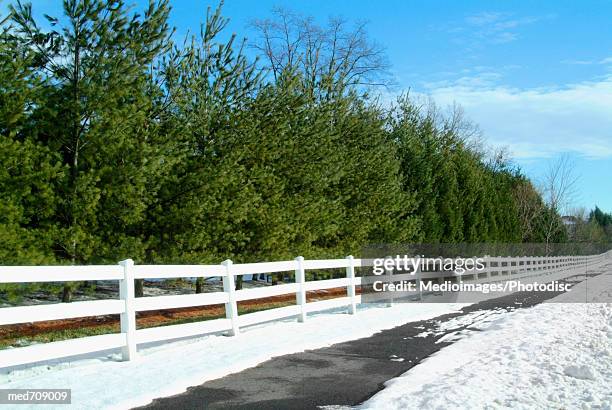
x: 127, y: 305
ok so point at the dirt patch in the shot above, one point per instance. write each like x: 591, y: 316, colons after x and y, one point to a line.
x: 110, y: 323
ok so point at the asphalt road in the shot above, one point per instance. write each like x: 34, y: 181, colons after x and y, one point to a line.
x: 343, y: 374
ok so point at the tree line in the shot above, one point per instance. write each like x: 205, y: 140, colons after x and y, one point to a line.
x: 118, y: 140
x: 594, y: 226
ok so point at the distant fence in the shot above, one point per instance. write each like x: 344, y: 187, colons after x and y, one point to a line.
x: 497, y: 268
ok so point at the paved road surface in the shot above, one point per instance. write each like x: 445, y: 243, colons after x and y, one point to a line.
x: 343, y: 374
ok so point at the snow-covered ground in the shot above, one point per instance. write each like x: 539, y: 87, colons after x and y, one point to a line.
x: 532, y: 350
x: 553, y: 355
x: 104, y: 382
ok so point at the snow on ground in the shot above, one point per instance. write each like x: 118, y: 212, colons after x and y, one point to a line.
x: 101, y: 381
x: 169, y: 368
x: 597, y: 289
x: 455, y: 328
x: 553, y: 355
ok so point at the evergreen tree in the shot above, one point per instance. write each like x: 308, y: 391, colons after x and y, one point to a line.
x: 603, y: 220
x: 116, y: 143
x: 27, y: 168
x: 96, y: 68
x: 461, y: 196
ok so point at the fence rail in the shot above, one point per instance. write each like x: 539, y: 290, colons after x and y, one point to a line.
x: 496, y: 268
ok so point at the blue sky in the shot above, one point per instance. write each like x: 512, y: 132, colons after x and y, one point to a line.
x: 535, y: 76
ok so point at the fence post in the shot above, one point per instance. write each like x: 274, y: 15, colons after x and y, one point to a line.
x: 487, y: 266
x: 530, y: 264
x: 300, y: 296
x: 540, y: 263
x: 417, y: 281
x: 229, y: 287
x: 350, y: 274
x: 389, y: 278
x: 551, y: 264
x: 128, y: 317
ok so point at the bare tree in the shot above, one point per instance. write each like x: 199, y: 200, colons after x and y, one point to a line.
x: 458, y: 124
x: 558, y: 189
x: 326, y: 56
x: 529, y: 207
x: 453, y: 123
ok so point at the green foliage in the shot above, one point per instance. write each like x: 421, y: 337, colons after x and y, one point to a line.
x: 600, y: 225
x: 461, y: 197
x: 118, y: 143
x: 28, y: 169
x: 601, y: 218
x: 96, y: 114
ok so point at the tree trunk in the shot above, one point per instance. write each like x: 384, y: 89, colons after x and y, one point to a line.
x: 67, y: 293
x: 199, y: 285
x: 239, y: 280
x: 139, y: 288
x: 276, y: 278
x: 74, y: 170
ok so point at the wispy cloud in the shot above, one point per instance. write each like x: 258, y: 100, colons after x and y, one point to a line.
x: 497, y: 28
x: 603, y: 61
x: 578, y: 62
x: 536, y: 122
x: 474, y: 76
x: 484, y: 18
x: 482, y: 79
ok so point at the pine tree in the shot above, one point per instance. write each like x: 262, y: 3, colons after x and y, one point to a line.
x: 97, y: 114
x: 27, y: 169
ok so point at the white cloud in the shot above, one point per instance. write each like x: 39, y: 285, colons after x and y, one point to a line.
x: 482, y: 79
x: 577, y: 62
x: 538, y: 122
x: 484, y: 18
x: 496, y: 28
x: 504, y: 37
x: 603, y: 61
